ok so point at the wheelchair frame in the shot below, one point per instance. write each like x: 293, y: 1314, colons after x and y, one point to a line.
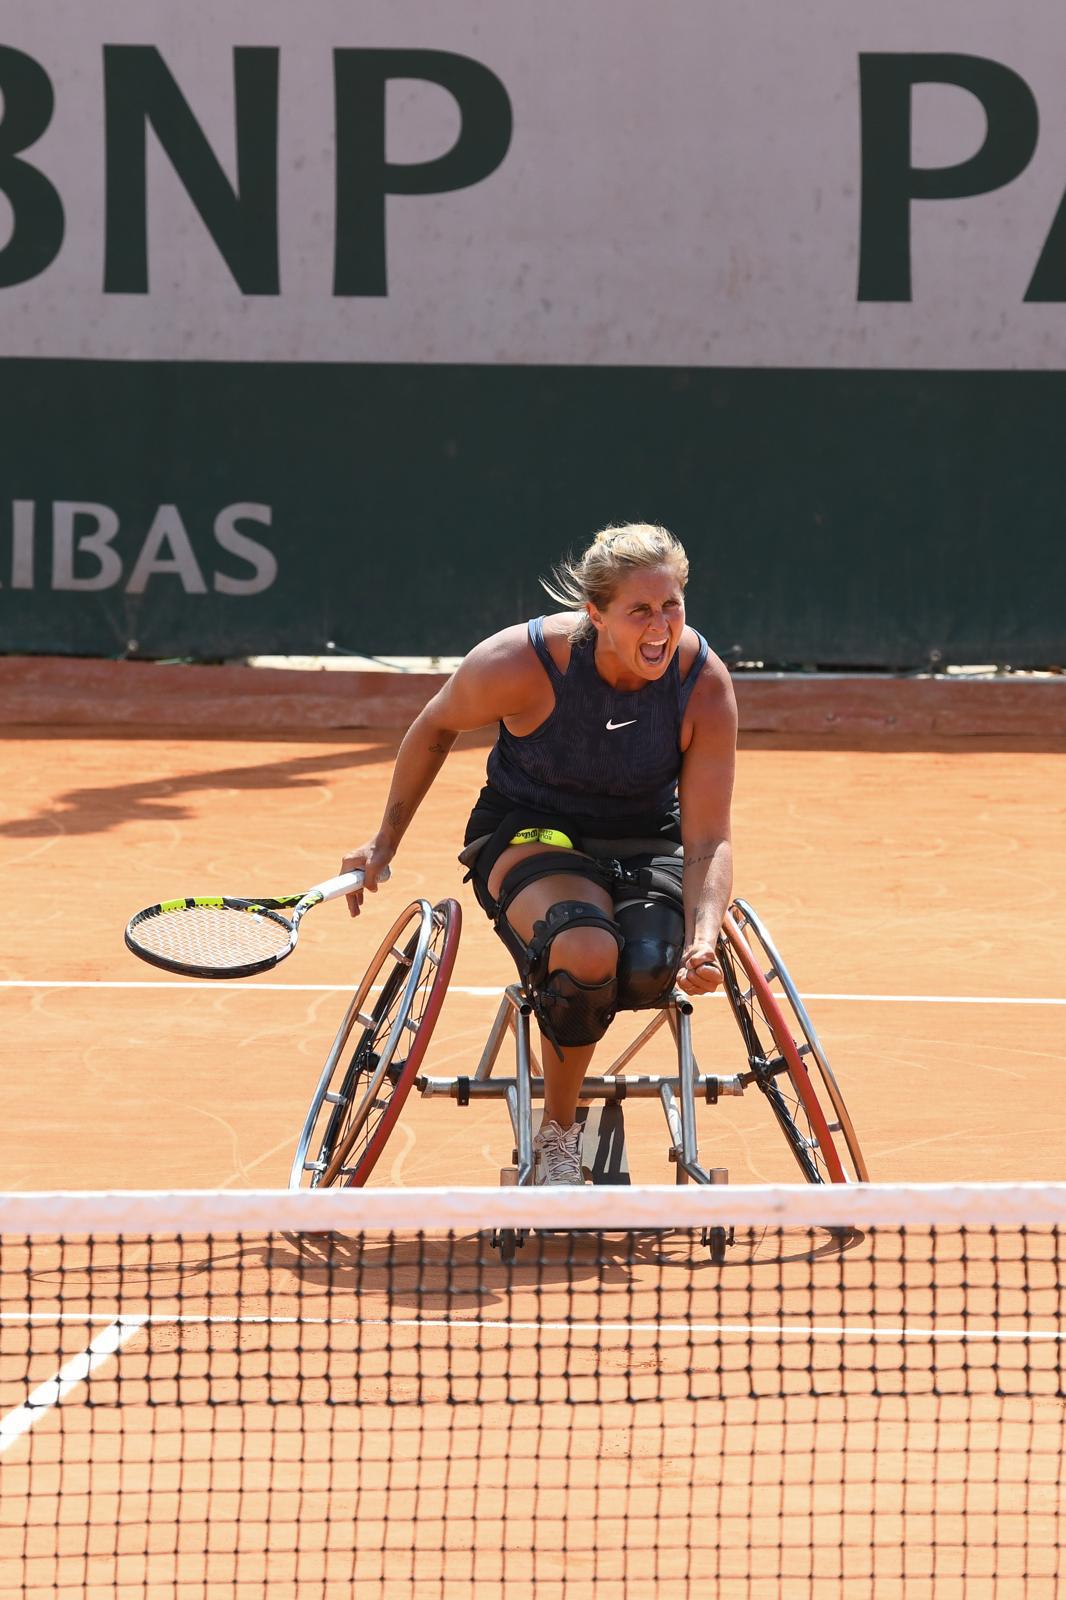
x: 364, y: 1084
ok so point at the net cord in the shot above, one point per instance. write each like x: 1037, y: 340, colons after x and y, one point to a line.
x: 609, y: 1209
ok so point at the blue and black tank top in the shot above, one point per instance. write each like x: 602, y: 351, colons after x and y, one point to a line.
x: 603, y: 751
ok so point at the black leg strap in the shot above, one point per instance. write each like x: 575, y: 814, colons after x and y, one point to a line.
x: 550, y: 864
x: 563, y: 916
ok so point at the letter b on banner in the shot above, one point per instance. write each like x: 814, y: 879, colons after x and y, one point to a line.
x: 28, y: 102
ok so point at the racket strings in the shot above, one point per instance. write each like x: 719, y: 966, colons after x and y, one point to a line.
x: 213, y: 937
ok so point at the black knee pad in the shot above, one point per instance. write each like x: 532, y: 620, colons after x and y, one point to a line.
x: 571, y: 1012
x: 654, y: 935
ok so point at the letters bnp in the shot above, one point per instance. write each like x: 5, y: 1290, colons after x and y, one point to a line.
x: 241, y: 217
x: 141, y: 93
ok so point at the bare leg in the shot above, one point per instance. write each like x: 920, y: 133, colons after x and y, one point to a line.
x: 563, y: 1076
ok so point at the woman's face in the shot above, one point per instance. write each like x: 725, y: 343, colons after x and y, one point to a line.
x: 640, y: 628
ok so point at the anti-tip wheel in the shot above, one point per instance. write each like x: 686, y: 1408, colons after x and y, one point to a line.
x: 717, y: 1241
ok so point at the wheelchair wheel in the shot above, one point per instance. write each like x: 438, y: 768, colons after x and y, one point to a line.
x: 378, y: 1049
x: 779, y: 1041
x: 808, y: 1044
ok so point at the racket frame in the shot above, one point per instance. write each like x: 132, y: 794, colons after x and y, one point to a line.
x: 270, y: 906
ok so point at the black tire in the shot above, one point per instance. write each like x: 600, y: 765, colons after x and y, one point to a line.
x: 506, y: 1242
x: 717, y: 1241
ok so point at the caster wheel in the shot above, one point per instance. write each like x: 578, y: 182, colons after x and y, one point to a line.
x: 716, y: 1240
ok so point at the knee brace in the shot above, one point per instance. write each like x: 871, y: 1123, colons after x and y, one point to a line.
x: 652, y: 924
x: 569, y: 1011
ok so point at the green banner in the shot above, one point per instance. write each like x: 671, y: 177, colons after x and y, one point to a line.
x: 837, y: 519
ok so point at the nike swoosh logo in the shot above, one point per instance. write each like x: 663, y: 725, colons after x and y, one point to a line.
x: 611, y: 726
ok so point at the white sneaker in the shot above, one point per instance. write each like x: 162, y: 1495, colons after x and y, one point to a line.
x: 557, y: 1154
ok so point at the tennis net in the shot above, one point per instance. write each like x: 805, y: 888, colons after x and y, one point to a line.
x: 348, y: 1393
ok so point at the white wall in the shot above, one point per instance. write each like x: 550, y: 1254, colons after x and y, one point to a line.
x: 682, y: 188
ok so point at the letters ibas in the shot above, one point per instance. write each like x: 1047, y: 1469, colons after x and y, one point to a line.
x: 83, y: 546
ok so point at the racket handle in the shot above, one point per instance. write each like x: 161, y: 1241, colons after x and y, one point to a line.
x: 333, y: 888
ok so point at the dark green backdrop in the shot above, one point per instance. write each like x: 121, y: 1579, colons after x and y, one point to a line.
x: 844, y: 519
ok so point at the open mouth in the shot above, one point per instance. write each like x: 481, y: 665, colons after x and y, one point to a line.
x: 653, y: 655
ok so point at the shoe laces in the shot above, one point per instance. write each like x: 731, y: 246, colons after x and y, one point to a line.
x: 560, y: 1153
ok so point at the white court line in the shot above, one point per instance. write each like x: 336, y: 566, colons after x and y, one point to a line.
x: 51, y: 1393
x: 122, y: 1328
x: 774, y: 1330
x: 237, y: 985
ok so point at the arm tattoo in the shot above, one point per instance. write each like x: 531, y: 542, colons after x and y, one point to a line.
x: 395, y: 814
x: 695, y: 861
x: 439, y: 748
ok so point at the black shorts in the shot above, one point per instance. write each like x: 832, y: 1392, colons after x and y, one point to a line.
x: 633, y: 841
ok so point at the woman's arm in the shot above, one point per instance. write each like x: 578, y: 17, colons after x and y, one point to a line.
x: 706, y: 790
x: 497, y: 679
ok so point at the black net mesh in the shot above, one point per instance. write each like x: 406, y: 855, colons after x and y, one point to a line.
x: 872, y: 1411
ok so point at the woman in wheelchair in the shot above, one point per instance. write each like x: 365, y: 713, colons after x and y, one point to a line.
x: 600, y: 844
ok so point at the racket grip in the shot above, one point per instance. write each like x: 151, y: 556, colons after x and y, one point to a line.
x: 333, y: 888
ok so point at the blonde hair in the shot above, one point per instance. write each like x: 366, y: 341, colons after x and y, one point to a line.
x: 613, y: 554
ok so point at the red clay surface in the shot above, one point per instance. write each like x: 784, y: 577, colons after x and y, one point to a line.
x: 934, y: 873
x: 931, y: 878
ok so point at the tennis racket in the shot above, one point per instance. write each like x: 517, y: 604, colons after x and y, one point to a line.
x: 216, y: 936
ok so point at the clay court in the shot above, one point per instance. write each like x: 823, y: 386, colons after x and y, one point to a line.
x: 913, y: 882
x: 334, y: 332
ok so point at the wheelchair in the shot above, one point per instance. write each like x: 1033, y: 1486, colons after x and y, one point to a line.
x: 378, y: 1054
